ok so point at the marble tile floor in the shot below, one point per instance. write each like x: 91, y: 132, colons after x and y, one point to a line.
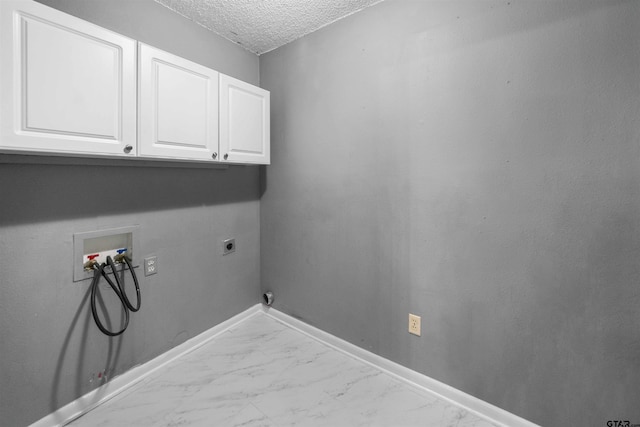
x: 264, y: 373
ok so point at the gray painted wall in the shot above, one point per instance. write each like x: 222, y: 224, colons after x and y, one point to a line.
x: 477, y: 164
x: 51, y: 351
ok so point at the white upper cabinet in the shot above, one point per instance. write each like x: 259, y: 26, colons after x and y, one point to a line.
x: 178, y: 107
x: 66, y: 86
x: 244, y: 122
x: 70, y: 87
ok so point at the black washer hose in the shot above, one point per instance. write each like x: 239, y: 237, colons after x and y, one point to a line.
x: 121, y: 284
x: 94, y: 287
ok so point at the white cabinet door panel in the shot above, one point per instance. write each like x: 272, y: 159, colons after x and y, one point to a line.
x: 178, y: 107
x: 67, y: 85
x: 244, y: 122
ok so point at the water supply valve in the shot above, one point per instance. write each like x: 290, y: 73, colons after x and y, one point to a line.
x: 92, y: 262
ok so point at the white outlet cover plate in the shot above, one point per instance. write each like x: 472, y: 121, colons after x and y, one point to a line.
x: 414, y: 324
x: 150, y: 265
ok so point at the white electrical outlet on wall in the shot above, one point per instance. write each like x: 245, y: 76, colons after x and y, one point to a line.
x: 414, y: 324
x: 150, y: 265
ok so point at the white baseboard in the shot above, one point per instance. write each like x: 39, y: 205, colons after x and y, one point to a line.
x: 117, y: 385
x: 472, y: 404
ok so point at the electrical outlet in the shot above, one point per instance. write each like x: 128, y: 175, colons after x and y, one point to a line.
x: 228, y: 246
x: 414, y: 324
x: 150, y: 265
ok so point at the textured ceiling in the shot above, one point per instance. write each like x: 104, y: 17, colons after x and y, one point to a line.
x: 263, y: 25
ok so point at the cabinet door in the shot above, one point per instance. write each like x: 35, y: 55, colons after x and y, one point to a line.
x: 244, y: 122
x: 178, y: 107
x: 66, y: 86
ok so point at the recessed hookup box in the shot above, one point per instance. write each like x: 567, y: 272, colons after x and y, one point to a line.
x: 97, y: 245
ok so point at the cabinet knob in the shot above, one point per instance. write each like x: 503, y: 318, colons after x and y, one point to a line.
x: 226, y: 156
x: 214, y: 155
x: 128, y: 148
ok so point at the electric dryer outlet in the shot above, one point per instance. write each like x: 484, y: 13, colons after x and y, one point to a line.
x: 228, y: 246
